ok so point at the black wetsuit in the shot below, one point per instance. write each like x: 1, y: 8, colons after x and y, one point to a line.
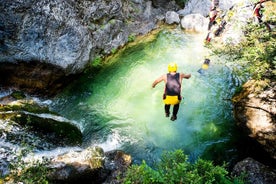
x: 173, y: 85
x: 173, y: 88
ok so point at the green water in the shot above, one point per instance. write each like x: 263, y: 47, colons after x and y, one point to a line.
x: 116, y: 107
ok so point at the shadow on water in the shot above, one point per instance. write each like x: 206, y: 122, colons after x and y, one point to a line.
x: 117, y: 108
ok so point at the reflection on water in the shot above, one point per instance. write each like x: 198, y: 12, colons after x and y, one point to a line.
x: 118, y: 109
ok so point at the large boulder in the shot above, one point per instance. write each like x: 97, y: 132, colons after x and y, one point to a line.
x: 28, y: 114
x: 78, y: 166
x: 44, y: 42
x: 255, y: 112
x: 194, y: 22
x: 255, y: 172
x: 117, y: 162
x: 172, y: 18
x: 91, y: 164
x: 44, y: 31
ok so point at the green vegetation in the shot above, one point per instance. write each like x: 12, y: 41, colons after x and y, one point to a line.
x: 96, y: 62
x: 174, y: 168
x: 31, y: 175
x: 113, y: 50
x: 20, y: 172
x: 18, y: 95
x: 131, y: 38
x: 256, y: 54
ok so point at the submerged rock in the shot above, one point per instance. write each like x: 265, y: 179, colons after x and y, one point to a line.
x: 57, y: 129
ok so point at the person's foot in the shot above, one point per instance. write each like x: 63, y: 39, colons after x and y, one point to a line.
x: 173, y: 118
x: 167, y: 114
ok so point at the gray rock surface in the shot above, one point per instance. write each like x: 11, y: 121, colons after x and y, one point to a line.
x: 257, y: 173
x: 255, y: 112
x: 44, y: 42
x: 172, y: 17
x: 195, y: 22
x: 68, y: 33
x: 91, y: 164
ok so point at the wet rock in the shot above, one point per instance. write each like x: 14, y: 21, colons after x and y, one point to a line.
x: 39, y: 119
x: 56, y: 128
x: 18, y: 141
x: 117, y: 162
x: 255, y: 112
x: 91, y: 164
x: 81, y: 167
x: 255, y: 172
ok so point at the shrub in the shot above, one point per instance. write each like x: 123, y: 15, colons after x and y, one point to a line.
x: 174, y: 168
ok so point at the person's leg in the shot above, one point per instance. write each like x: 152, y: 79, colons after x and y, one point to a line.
x: 167, y: 110
x: 260, y: 19
x: 175, y: 111
x: 210, y: 25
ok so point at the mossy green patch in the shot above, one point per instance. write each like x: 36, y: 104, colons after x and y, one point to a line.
x: 66, y: 131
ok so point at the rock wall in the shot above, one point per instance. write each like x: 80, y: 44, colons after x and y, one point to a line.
x: 255, y: 112
x: 66, y: 35
x: 257, y: 172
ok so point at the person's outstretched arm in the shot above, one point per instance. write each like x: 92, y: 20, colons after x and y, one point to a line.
x: 158, y: 80
x: 186, y: 76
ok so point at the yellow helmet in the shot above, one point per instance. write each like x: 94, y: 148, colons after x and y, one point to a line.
x: 172, y: 67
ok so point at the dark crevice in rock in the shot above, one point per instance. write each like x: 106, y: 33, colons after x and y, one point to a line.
x: 34, y: 77
x: 249, y: 147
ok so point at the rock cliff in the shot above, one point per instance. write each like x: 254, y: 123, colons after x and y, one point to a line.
x: 44, y: 42
x: 255, y: 111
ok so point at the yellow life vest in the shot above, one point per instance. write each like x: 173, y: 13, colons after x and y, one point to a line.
x: 205, y: 66
x: 171, y: 100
